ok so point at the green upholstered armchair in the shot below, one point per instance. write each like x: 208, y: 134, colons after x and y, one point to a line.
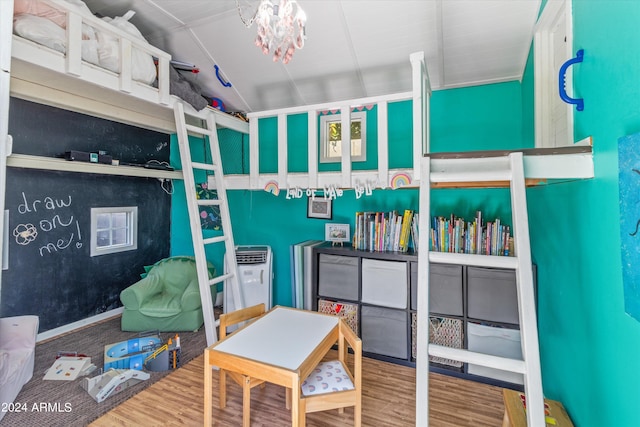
x: 166, y: 299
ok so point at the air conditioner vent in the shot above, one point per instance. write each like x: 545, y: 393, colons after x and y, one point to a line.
x: 251, y: 255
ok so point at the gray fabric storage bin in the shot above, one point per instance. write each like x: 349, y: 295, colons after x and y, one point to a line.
x: 384, y: 331
x: 445, y: 289
x: 338, y: 277
x: 492, y: 295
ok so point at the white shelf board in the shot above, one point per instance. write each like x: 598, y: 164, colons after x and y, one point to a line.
x: 49, y: 163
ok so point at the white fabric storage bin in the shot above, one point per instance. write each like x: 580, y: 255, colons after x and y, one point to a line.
x: 384, y: 283
x: 498, y: 342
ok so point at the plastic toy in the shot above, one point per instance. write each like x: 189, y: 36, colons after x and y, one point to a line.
x: 165, y: 357
x: 130, y: 354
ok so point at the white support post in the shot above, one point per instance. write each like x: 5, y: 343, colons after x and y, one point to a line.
x: 313, y: 149
x: 126, y: 65
x: 345, y: 123
x: 383, y: 144
x: 283, y: 168
x: 163, y: 79
x: 254, y: 154
x: 6, y: 15
x: 73, y: 55
x: 421, y: 95
x: 422, y: 345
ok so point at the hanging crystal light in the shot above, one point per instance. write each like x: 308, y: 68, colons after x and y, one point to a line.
x: 281, y: 28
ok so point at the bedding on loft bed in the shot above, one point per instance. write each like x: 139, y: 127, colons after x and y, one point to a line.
x: 45, y: 23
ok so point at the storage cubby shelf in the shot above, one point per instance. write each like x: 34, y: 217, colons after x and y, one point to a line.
x: 472, y: 307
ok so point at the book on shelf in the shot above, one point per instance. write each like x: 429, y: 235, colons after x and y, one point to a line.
x: 454, y: 234
x: 385, y: 231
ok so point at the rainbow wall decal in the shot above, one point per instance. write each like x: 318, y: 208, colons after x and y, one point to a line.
x: 272, y: 187
x: 400, y: 179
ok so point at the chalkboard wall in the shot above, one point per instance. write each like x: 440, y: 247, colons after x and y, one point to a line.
x: 50, y: 271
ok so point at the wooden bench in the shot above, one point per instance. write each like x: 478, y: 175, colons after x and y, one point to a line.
x: 515, y: 416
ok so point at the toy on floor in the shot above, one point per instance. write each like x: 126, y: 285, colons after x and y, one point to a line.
x: 112, y: 382
x: 165, y: 357
x: 130, y: 354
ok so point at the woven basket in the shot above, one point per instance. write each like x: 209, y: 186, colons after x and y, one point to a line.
x: 443, y: 331
x: 345, y: 310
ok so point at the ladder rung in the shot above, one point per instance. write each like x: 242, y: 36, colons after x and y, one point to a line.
x: 203, y: 166
x: 197, y: 130
x: 494, y: 261
x: 216, y: 239
x: 488, y: 360
x: 209, y: 202
x: 219, y: 279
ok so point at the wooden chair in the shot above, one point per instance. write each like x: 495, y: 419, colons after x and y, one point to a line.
x: 332, y: 385
x: 247, y: 383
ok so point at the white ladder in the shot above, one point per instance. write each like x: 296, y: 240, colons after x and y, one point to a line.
x: 189, y: 168
x: 506, y: 168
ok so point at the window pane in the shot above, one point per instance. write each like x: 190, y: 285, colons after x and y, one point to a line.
x: 119, y: 219
x: 120, y: 236
x: 356, y: 147
x: 103, y: 220
x: 335, y: 149
x: 102, y: 238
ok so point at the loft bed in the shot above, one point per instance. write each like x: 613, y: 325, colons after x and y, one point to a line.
x: 541, y: 165
x: 72, y: 80
x: 101, y: 67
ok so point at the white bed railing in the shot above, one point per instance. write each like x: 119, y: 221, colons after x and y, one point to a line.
x: 382, y: 176
x: 72, y: 62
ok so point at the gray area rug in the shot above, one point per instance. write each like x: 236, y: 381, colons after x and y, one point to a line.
x: 66, y: 403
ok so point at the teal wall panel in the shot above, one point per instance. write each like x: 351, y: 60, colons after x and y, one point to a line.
x: 478, y: 118
x: 588, y: 342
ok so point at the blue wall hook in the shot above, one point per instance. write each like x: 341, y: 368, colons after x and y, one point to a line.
x: 222, y: 81
x: 562, y: 81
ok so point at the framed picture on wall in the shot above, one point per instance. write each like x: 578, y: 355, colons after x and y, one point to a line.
x: 319, y: 208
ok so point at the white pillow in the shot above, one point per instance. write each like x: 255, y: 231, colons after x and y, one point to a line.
x: 143, y: 67
x: 40, y: 30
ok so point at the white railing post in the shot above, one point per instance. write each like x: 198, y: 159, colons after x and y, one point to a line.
x: 421, y: 94
x: 312, y: 167
x: 74, y: 40
x: 254, y: 154
x: 345, y: 123
x: 282, y: 147
x: 383, y: 144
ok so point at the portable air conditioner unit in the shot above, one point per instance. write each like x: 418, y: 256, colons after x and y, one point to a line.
x: 255, y: 274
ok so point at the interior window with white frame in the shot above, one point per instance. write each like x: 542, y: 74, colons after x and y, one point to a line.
x: 331, y: 138
x: 114, y: 229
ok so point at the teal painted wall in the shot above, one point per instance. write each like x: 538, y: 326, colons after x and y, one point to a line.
x: 477, y: 118
x: 589, y: 345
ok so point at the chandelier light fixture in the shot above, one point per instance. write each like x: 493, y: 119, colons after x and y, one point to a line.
x: 281, y: 28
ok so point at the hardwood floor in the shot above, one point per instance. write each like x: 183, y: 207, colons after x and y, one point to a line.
x: 388, y: 400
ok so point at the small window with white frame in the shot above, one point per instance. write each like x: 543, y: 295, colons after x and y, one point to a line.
x: 331, y: 138
x: 114, y: 229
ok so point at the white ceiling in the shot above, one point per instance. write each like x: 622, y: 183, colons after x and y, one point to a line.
x: 354, y: 48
